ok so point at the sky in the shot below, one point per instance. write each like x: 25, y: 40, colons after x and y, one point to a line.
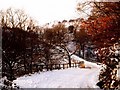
x: 44, y: 11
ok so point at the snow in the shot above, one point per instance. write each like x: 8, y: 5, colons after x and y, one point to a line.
x: 87, y: 63
x: 64, y: 78
x: 67, y: 78
x: 119, y: 74
x: 71, y: 46
x: 2, y: 82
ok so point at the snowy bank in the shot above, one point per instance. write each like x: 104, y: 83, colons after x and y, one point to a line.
x: 87, y: 63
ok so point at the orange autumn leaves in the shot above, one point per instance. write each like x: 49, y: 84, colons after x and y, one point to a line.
x: 103, y: 30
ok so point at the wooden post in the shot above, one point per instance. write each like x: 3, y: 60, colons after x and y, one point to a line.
x: 75, y: 65
x: 42, y: 67
x: 37, y: 68
x: 59, y: 66
x: 63, y: 66
x: 47, y: 67
x: 51, y: 67
x: 67, y: 65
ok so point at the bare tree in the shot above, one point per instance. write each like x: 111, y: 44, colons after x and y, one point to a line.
x: 15, y: 18
x: 15, y: 37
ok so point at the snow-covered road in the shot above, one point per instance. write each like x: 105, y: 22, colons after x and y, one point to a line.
x: 67, y: 78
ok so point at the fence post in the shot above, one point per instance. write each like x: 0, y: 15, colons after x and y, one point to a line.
x: 67, y: 65
x: 51, y: 67
x: 63, y: 66
x: 37, y: 68
x: 41, y: 68
x: 59, y: 66
x: 73, y: 64
x: 47, y: 67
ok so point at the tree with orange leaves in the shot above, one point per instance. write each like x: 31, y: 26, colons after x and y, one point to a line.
x: 103, y: 28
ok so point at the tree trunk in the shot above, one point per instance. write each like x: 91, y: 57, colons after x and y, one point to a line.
x: 30, y: 68
x: 25, y: 62
x: 80, y: 55
x: 69, y: 58
x: 11, y: 77
x: 83, y: 51
x: 31, y: 60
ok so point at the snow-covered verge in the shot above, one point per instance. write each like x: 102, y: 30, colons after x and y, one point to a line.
x: 1, y: 82
x: 87, y: 63
x: 67, y: 78
x: 5, y: 84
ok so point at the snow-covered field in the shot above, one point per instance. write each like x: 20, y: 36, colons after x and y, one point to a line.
x: 67, y: 78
